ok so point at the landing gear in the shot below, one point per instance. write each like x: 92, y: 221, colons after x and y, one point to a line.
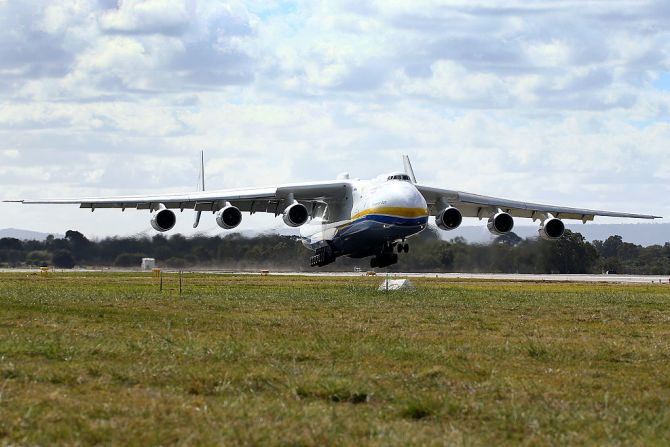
x: 323, y: 256
x: 387, y: 256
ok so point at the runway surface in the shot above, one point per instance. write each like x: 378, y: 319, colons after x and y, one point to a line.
x: 622, y: 279
x: 642, y: 279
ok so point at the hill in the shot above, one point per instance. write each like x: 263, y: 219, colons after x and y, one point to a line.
x: 26, y: 235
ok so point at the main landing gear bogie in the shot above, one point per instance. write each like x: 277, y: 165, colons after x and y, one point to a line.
x: 387, y: 257
x: 323, y: 256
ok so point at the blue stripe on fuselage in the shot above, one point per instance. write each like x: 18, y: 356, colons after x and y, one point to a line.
x: 395, y: 220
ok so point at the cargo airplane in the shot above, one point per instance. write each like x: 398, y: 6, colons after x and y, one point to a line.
x: 351, y: 217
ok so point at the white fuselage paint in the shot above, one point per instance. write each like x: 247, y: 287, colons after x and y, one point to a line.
x: 372, y: 213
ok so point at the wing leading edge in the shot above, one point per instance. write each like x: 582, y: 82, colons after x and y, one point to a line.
x: 474, y: 205
x: 269, y: 199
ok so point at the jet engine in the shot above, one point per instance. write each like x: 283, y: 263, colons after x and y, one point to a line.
x: 552, y: 229
x: 163, y: 219
x: 501, y: 223
x: 229, y: 217
x: 295, y: 215
x: 449, y: 219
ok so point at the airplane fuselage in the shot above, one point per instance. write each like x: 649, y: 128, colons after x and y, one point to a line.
x: 373, y: 215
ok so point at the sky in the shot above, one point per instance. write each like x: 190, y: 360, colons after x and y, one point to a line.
x: 563, y: 102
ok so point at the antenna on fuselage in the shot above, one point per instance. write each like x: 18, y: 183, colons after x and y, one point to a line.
x: 201, y: 185
x: 408, y: 168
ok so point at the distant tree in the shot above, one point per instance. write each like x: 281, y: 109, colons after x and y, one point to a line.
x: 429, y: 252
x: 63, y: 259
x: 129, y: 260
x: 610, y: 247
x: 598, y: 245
x: 39, y: 258
x: 176, y: 263
x: 503, y: 259
x: 10, y: 243
x: 447, y: 257
x: 159, y: 239
x: 12, y: 257
x: 202, y: 254
x: 570, y: 254
x: 627, y: 251
x: 80, y: 246
x: 75, y: 237
x: 610, y: 265
x: 511, y: 239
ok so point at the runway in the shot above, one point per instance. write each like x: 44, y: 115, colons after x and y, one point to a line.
x: 616, y: 279
x: 621, y: 279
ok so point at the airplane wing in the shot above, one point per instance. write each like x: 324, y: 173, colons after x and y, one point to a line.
x: 265, y: 200
x: 474, y: 205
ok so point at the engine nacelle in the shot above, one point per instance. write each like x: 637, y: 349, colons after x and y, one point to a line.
x: 501, y: 223
x: 449, y: 219
x: 163, y: 219
x: 229, y: 217
x: 552, y: 229
x: 295, y: 215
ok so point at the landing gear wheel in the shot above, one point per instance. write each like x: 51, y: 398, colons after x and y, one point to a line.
x: 405, y: 248
x: 400, y: 248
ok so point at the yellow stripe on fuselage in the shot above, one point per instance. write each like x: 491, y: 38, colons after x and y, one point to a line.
x: 395, y: 211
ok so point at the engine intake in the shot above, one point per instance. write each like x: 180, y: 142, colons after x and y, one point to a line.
x: 295, y: 215
x: 229, y: 217
x: 449, y: 219
x: 163, y: 219
x: 501, y: 223
x: 552, y: 229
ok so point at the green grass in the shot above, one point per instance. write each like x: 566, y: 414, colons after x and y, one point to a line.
x: 249, y: 360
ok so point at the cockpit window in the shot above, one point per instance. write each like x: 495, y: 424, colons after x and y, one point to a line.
x: 402, y: 177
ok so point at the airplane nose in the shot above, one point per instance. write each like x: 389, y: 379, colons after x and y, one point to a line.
x: 403, y: 195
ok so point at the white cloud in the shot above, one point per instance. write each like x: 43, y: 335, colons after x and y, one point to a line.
x: 10, y: 153
x: 529, y: 100
x: 548, y: 54
x: 146, y: 17
x: 456, y: 86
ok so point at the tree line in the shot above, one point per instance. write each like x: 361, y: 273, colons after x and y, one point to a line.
x: 428, y: 253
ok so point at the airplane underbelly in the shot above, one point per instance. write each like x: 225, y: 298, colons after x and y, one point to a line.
x: 366, y: 236
x: 363, y: 236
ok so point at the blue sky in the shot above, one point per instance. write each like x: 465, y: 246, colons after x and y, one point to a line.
x: 560, y: 101
x: 662, y: 82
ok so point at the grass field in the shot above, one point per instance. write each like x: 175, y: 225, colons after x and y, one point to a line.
x: 250, y: 360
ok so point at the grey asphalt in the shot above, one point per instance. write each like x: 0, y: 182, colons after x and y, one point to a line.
x: 632, y: 279
x: 621, y: 279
